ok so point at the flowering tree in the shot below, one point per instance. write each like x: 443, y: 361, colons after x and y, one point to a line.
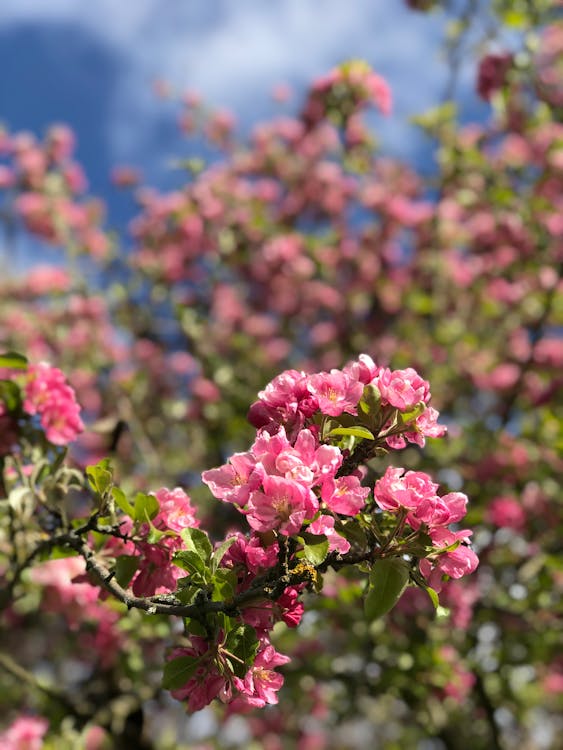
x: 291, y: 253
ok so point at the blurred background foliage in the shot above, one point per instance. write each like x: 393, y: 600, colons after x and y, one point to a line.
x: 303, y: 245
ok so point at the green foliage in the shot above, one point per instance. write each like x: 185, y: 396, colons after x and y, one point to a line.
x: 387, y: 580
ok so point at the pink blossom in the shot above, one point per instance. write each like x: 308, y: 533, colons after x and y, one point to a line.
x: 426, y: 425
x: 403, y: 389
x: 233, y: 482
x: 363, y: 369
x: 156, y: 573
x: 25, y: 733
x: 454, y: 563
x: 307, y: 461
x: 335, y: 392
x: 283, y: 505
x: 249, y: 554
x: 344, y: 495
x: 261, y: 683
x: 206, y: 683
x: 264, y: 615
x: 324, y: 526
x: 176, y: 511
x: 395, y: 491
x: 48, y: 394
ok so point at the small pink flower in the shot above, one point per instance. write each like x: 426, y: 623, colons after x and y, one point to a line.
x: 206, y: 683
x: 335, y: 392
x: 363, y: 369
x: 394, y: 491
x: 233, y: 482
x: 307, y: 461
x: 403, y: 389
x: 261, y: 683
x: 455, y: 563
x: 176, y: 511
x: 344, y: 495
x: 283, y: 505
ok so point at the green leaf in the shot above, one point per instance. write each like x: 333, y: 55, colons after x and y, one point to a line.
x: 197, y: 541
x: 195, y: 627
x: 13, y: 360
x: 243, y: 644
x: 315, y: 548
x: 155, y: 535
x: 358, y: 431
x: 353, y: 532
x: 100, y: 476
x: 224, y: 585
x: 10, y: 395
x: 122, y: 502
x: 220, y: 553
x: 414, y: 413
x: 125, y: 568
x: 146, y: 507
x: 178, y: 671
x: 192, y: 562
x: 387, y: 581
x: 433, y: 596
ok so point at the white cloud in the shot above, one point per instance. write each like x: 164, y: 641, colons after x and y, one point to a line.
x: 234, y: 52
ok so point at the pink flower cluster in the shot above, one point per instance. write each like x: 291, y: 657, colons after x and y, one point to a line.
x: 349, y: 88
x: 414, y: 492
x: 281, y: 485
x: 31, y: 170
x: 48, y: 394
x: 293, y: 397
x: 256, y: 689
x: 156, y: 573
x: 25, y: 733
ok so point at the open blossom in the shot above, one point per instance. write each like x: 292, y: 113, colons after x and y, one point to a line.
x: 307, y: 461
x: 176, y: 511
x: 335, y: 392
x: 454, y: 563
x: 233, y: 482
x: 403, y: 389
x: 396, y: 489
x: 261, y: 683
x: 425, y: 425
x: 283, y: 505
x: 48, y: 394
x: 416, y: 492
x: 206, y: 683
x: 344, y: 495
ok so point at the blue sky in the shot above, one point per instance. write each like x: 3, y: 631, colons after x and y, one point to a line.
x: 92, y: 64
